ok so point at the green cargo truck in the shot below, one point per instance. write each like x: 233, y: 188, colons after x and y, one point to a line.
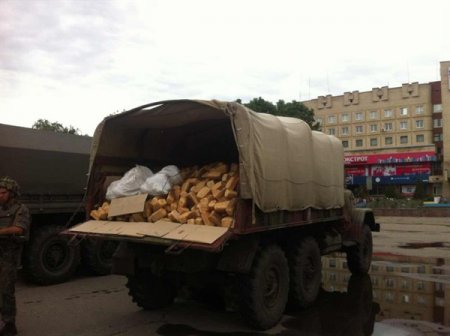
x: 291, y: 209
x: 51, y: 169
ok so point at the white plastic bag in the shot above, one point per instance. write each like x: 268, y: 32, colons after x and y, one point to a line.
x: 157, y: 184
x: 129, y: 184
x: 173, y: 173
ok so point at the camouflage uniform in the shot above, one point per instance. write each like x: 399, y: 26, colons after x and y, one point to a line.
x: 17, y: 214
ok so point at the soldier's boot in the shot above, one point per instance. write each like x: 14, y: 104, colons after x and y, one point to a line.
x: 9, y: 329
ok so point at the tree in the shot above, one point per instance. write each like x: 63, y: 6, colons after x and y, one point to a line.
x: 420, y: 192
x: 44, y: 124
x: 293, y: 109
x: 261, y: 105
x: 298, y: 110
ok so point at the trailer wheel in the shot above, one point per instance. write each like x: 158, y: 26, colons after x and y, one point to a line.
x: 265, y: 290
x: 48, y: 258
x: 97, y: 255
x: 150, y: 291
x: 305, y: 272
x: 359, y: 257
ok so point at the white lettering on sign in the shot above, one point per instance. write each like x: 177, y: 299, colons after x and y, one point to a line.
x: 356, y: 159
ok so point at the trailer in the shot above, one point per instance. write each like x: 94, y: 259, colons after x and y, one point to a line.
x: 51, y: 169
x: 291, y: 207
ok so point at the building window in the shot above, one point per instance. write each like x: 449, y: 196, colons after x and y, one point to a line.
x: 345, y: 143
x: 388, y: 126
x: 373, y: 115
x: 359, y: 143
x: 403, y: 111
x: 390, y: 283
x: 419, y: 109
x: 374, y: 142
x: 404, y: 139
x: 358, y: 129
x: 332, y: 119
x: 437, y: 108
x: 437, y: 123
x: 388, y: 113
x: 388, y: 141
x: 358, y: 116
x: 420, y: 138
x: 345, y: 117
x: 419, y: 123
x: 403, y: 125
x: 331, y: 131
x: 373, y: 127
x: 344, y: 131
x: 438, y: 137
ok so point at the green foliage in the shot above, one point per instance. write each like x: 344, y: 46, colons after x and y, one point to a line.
x: 391, y: 192
x: 292, y: 109
x: 361, y: 192
x: 261, y: 105
x: 420, y: 193
x: 44, y: 124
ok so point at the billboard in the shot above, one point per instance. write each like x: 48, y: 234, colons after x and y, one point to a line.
x: 390, y: 158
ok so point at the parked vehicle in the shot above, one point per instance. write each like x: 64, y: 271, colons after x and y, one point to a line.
x: 291, y: 208
x: 51, y: 169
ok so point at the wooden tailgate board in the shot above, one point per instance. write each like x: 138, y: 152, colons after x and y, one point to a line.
x: 161, y: 229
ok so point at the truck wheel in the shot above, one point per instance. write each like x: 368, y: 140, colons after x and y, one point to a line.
x: 48, y: 258
x: 265, y: 290
x: 150, y: 291
x: 97, y: 255
x: 305, y: 273
x: 359, y: 257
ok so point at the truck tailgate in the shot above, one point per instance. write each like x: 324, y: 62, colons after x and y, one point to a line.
x: 165, y: 232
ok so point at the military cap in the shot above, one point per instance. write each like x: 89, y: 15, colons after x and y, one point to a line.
x: 9, y: 184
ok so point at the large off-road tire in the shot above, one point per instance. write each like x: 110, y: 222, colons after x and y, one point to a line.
x: 150, y: 291
x: 362, y: 307
x: 97, y: 255
x: 48, y: 258
x: 305, y: 268
x: 359, y: 257
x: 264, y: 292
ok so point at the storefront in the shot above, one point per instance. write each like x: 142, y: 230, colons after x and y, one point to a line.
x: 404, y: 170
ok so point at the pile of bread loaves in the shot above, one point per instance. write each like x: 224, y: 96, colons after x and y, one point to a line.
x: 206, y: 196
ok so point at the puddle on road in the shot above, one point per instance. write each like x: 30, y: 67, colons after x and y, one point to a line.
x: 399, y: 297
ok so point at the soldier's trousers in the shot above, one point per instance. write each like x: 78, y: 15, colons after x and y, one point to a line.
x: 8, y: 277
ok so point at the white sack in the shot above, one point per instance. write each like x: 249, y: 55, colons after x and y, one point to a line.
x: 129, y: 184
x: 157, y: 184
x: 173, y: 173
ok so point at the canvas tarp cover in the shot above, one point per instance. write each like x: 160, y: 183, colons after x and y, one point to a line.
x: 283, y: 164
x: 288, y: 166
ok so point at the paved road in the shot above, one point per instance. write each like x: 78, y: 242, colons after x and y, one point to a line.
x: 399, y: 235
x: 100, y: 306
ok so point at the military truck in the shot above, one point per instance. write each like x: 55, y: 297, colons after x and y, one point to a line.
x: 291, y: 207
x: 51, y: 169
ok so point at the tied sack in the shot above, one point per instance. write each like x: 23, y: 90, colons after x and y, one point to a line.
x: 130, y: 183
x: 162, y: 181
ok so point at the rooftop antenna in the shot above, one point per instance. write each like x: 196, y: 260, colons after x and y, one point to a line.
x: 309, y: 88
x: 407, y: 70
x: 328, y: 83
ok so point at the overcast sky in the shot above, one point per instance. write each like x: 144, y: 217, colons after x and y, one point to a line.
x: 78, y: 61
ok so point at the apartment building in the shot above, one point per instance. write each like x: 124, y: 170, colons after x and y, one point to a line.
x: 392, y: 136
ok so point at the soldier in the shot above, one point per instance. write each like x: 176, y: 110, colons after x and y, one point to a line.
x: 14, y: 230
